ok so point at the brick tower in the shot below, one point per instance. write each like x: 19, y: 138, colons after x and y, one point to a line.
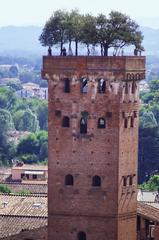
x: 93, y: 139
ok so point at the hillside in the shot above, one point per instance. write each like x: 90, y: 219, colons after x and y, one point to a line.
x: 24, y: 40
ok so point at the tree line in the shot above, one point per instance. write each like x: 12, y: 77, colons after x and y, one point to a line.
x: 115, y: 31
x: 24, y: 115
x: 149, y: 133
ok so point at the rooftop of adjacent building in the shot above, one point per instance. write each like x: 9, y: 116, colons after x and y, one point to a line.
x: 27, y: 212
x: 30, y: 167
x: 22, y: 212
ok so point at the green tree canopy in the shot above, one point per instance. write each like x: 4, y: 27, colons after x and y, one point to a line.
x: 26, y: 121
x: 34, y: 147
x: 148, y: 120
x: 152, y: 184
x: 7, y: 98
x: 154, y: 85
x: 6, y: 122
x: 117, y: 30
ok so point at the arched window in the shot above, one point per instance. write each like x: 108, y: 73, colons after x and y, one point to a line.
x: 69, y: 180
x: 101, y: 86
x: 65, y: 122
x: 84, y: 85
x: 82, y: 236
x: 66, y: 85
x: 101, y: 123
x: 83, y: 125
x: 96, y: 181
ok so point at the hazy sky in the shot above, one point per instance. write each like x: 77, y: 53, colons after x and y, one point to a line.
x: 36, y: 12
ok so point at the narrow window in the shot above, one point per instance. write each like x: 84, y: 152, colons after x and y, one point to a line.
x: 83, y: 125
x: 124, y: 181
x: 69, y: 180
x: 132, y: 122
x: 130, y: 180
x: 101, y: 123
x: 96, y: 182
x: 133, y: 87
x: 125, y: 123
x: 22, y: 175
x: 126, y: 88
x: 34, y: 176
x: 82, y: 236
x: 84, y: 85
x: 66, y: 85
x: 66, y: 122
x: 101, y: 86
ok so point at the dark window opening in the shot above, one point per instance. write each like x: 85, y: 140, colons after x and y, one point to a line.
x: 34, y: 176
x: 124, y: 181
x: 133, y: 87
x: 83, y: 125
x: 126, y: 88
x: 69, y: 180
x: 58, y: 113
x: 96, y: 181
x: 132, y: 122
x: 22, y: 175
x: 65, y: 122
x: 101, y: 123
x: 27, y: 176
x: 126, y: 123
x: 101, y: 86
x: 66, y: 85
x: 82, y: 236
x: 108, y: 114
x: 84, y: 85
x: 130, y: 180
x: 135, y: 114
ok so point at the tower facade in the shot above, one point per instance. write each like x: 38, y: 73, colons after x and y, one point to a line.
x: 93, y: 141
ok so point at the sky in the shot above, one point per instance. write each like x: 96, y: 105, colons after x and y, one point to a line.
x: 36, y: 12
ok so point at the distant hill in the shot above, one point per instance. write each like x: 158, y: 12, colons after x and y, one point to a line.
x: 20, y: 40
x: 24, y: 40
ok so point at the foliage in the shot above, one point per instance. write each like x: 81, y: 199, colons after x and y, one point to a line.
x: 6, y: 122
x: 148, y: 120
x: 152, y: 184
x: 26, y: 120
x: 7, y: 98
x: 4, y: 189
x: 42, y: 114
x: 34, y: 147
x: 14, y: 84
x: 13, y: 71
x: 154, y: 85
x: 117, y: 31
x: 149, y: 132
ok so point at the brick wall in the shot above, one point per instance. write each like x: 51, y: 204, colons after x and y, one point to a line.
x: 109, y: 211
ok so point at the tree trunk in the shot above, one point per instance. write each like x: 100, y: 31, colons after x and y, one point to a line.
x: 61, y: 47
x: 105, y: 50
x: 70, y: 49
x: 76, y: 48
x: 101, y: 48
x: 88, y: 50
